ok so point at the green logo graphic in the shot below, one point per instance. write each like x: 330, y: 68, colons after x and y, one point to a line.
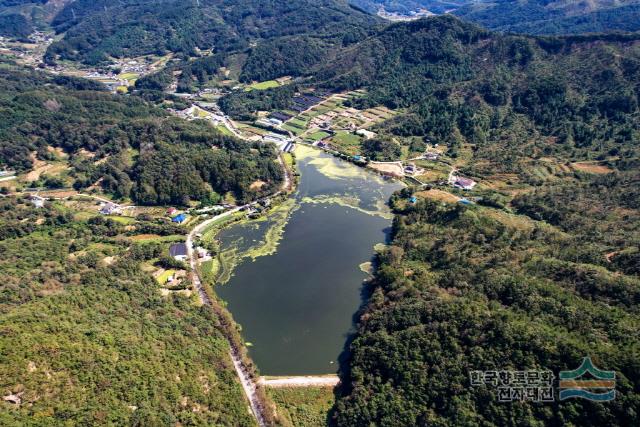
x: 599, y: 388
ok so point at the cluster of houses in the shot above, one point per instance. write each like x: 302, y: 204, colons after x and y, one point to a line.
x: 37, y: 201
x: 133, y: 66
x: 180, y: 252
x: 430, y: 156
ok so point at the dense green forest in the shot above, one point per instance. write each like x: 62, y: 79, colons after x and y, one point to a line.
x: 15, y: 25
x: 135, y: 150
x: 528, y: 16
x: 19, y: 18
x: 553, y: 17
x: 476, y: 288
x: 86, y: 337
x: 97, y: 30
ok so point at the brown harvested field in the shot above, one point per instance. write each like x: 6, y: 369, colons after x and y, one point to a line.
x: 432, y: 175
x: 39, y: 167
x: 59, y: 194
x: 591, y: 167
x: 57, y: 151
x: 389, y: 168
x: 439, y: 195
x: 257, y: 185
x: 382, y: 112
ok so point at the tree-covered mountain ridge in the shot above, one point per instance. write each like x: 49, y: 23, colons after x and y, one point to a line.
x: 530, y: 16
x: 97, y: 30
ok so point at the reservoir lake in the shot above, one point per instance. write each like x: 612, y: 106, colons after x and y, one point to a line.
x: 296, y: 302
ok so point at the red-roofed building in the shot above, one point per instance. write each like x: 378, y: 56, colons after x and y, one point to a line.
x: 464, y: 183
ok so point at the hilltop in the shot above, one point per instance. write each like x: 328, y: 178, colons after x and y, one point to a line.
x: 97, y: 30
x: 530, y: 16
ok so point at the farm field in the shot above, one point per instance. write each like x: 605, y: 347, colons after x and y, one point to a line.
x: 319, y: 135
x: 269, y: 84
x: 224, y: 130
x: 346, y: 142
x: 303, y: 406
x: 130, y: 77
x: 295, y: 130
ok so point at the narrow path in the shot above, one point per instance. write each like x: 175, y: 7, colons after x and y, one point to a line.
x: 304, y: 381
x: 451, y: 178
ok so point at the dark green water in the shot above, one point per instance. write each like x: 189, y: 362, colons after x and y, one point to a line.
x: 296, y: 306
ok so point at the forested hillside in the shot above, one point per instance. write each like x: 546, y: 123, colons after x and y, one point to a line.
x: 554, y: 17
x: 86, y: 337
x: 476, y: 288
x: 542, y: 269
x: 530, y: 16
x: 98, y: 30
x: 509, y: 97
x: 19, y: 18
x: 123, y: 145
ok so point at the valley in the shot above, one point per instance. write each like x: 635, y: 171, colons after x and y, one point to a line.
x: 307, y: 213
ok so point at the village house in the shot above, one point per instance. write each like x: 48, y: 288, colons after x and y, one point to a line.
x: 37, y: 201
x: 202, y: 252
x: 109, y: 208
x: 178, y: 251
x: 366, y: 133
x: 179, y: 219
x: 464, y: 183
